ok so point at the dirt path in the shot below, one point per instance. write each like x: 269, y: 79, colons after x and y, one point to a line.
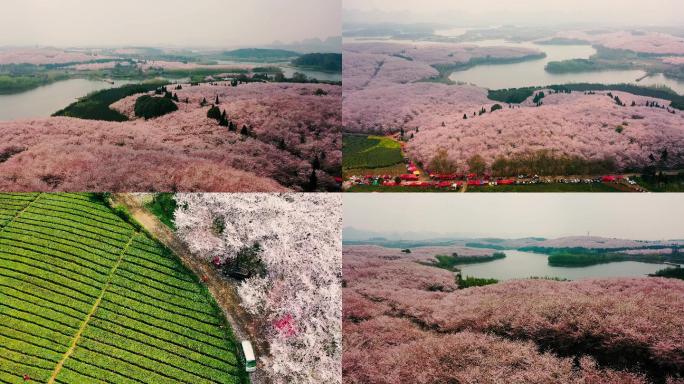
x: 243, y: 325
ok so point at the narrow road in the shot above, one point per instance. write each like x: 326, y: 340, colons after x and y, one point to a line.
x: 244, y: 326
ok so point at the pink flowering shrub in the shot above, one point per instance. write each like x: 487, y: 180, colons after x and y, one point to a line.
x: 599, y: 242
x: 171, y: 65
x: 674, y: 60
x: 298, y: 302
x: 410, y: 106
x: 94, y: 66
x: 438, y: 53
x: 383, y: 95
x: 185, y: 150
x: 627, y: 325
x: 588, y: 126
x: 43, y: 56
x: 660, y: 251
x: 373, y: 65
x: 390, y: 350
x: 362, y: 70
x: 646, y: 42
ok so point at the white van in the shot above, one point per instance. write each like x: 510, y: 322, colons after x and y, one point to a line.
x: 248, y: 356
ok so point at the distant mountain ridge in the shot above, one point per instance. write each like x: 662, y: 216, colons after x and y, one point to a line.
x: 398, y: 239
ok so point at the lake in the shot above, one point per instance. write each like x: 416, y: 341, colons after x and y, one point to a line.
x: 46, y: 100
x: 519, y: 265
x: 532, y: 73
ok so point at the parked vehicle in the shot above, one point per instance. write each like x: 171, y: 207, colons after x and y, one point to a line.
x: 247, y: 356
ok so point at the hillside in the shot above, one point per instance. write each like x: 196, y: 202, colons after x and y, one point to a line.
x: 87, y: 298
x: 591, y: 131
x: 277, y: 131
x: 397, y: 312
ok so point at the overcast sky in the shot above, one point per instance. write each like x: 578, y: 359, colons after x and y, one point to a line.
x: 166, y: 22
x: 630, y: 216
x: 627, y: 12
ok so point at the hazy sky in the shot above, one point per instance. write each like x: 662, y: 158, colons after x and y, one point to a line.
x: 166, y: 22
x: 629, y: 12
x: 638, y: 216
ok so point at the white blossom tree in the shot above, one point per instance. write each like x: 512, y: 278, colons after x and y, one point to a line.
x: 299, y: 298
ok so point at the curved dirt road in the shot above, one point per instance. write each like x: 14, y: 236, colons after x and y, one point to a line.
x: 243, y: 324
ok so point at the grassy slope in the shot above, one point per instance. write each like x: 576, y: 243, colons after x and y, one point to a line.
x: 163, y: 205
x: 360, y: 152
x: 81, y: 289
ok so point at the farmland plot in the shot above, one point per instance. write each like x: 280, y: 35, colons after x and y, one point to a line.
x: 85, y: 298
x: 370, y: 152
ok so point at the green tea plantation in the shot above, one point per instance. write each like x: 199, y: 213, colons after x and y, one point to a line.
x: 85, y: 298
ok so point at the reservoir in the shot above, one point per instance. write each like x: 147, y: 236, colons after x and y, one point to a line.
x: 520, y: 265
x: 532, y: 73
x: 48, y: 99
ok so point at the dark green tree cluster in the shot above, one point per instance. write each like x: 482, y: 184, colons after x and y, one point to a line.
x: 95, y: 106
x: 246, y: 263
x: 149, y: 107
x: 222, y: 117
x: 321, y: 61
x: 247, y: 131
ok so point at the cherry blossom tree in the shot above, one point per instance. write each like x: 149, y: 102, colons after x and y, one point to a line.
x: 185, y: 150
x: 298, y: 300
x: 396, y: 325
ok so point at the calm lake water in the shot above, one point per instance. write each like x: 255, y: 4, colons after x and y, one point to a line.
x: 519, y: 265
x: 532, y: 73
x: 46, y: 100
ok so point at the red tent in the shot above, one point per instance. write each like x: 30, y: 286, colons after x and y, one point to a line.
x: 472, y: 175
x: 444, y: 177
x: 445, y: 184
x: 409, y: 177
x: 608, y: 179
x: 474, y: 183
x: 506, y: 182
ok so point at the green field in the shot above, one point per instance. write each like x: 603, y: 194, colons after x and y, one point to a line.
x: 84, y: 298
x: 662, y: 183
x: 359, y: 152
